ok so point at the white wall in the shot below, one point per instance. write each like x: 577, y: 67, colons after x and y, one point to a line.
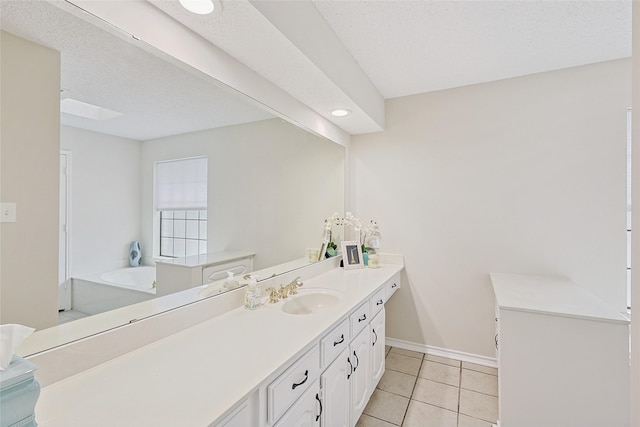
x: 635, y: 230
x: 105, y: 197
x: 29, y: 153
x: 271, y: 185
x: 525, y: 175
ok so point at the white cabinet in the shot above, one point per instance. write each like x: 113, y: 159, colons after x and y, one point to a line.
x: 360, y: 378
x: 292, y: 383
x: 306, y: 412
x: 334, y: 383
x: 242, y: 416
x: 349, y: 361
x: 377, y: 349
x: 563, y: 355
x: 178, y: 274
x: 391, y: 286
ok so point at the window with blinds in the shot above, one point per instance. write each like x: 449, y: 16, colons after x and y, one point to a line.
x: 181, y: 200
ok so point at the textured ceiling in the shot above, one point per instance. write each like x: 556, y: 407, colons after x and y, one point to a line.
x: 157, y: 98
x: 410, y: 47
x: 399, y: 47
x: 406, y: 47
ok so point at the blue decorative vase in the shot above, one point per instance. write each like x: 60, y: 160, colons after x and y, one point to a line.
x: 135, y: 254
x: 365, y: 258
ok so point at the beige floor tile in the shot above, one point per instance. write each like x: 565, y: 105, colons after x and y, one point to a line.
x: 437, y: 394
x: 480, y: 368
x: 397, y: 383
x: 369, y: 421
x: 401, y: 363
x: 409, y: 353
x: 444, y: 360
x: 467, y: 421
x: 387, y: 348
x: 480, y: 382
x: 420, y: 414
x: 387, y: 406
x: 479, y: 405
x: 440, y: 373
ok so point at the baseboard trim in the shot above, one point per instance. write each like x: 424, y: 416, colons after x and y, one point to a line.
x: 443, y: 352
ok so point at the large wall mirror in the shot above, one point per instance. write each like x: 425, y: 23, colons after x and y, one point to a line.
x: 270, y: 184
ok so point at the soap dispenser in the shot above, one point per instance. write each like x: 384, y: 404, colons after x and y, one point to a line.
x: 230, y: 283
x: 253, y: 297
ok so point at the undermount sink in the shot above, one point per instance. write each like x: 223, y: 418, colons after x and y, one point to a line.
x: 309, y: 301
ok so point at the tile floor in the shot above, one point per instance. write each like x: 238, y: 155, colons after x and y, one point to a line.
x: 69, y: 315
x: 431, y: 391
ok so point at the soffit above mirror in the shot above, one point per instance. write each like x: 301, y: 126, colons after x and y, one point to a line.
x: 102, y: 69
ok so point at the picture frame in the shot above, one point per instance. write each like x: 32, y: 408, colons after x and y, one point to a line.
x: 323, y: 250
x: 352, y: 255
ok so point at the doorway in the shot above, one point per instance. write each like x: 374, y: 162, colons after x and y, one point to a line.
x: 64, y: 283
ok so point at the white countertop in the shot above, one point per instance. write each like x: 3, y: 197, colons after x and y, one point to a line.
x: 554, y: 295
x: 191, y: 378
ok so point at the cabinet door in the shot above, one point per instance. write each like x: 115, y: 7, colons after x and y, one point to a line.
x: 241, y: 417
x: 377, y: 349
x: 334, y: 384
x: 359, y: 358
x: 306, y: 412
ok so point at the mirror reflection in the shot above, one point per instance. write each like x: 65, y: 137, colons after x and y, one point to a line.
x: 132, y: 123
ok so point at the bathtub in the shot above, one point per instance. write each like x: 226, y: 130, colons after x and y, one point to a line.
x: 100, y: 292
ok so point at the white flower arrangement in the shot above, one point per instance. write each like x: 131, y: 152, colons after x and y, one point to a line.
x: 369, y: 235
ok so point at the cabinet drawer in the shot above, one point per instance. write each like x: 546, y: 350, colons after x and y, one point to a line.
x: 392, y: 285
x: 360, y: 318
x: 292, y: 383
x: 377, y: 301
x: 334, y: 342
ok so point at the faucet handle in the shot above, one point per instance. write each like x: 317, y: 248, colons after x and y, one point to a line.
x: 283, y: 292
x: 273, y: 295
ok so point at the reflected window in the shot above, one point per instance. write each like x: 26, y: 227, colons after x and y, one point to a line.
x: 183, y: 233
x: 181, y: 200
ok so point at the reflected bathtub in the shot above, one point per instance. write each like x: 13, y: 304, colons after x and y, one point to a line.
x: 97, y: 293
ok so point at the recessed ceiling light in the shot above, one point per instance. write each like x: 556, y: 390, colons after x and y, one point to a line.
x: 340, y: 112
x: 87, y: 111
x: 201, y: 7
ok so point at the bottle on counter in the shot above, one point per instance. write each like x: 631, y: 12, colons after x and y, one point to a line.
x: 253, y: 297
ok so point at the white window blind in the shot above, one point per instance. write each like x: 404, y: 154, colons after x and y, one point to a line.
x: 181, y: 184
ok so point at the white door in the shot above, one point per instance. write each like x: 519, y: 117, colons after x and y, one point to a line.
x: 377, y: 349
x: 361, y: 377
x: 64, y: 285
x: 306, y: 412
x: 334, y: 383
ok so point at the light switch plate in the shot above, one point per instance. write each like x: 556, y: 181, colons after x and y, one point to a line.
x: 7, y: 212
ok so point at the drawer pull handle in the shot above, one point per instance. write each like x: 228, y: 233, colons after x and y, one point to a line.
x: 350, y: 368
x: 375, y: 336
x: 395, y: 285
x: 357, y: 361
x: 320, y: 402
x: 340, y: 341
x: 379, y: 302
x: 306, y: 377
x: 363, y: 318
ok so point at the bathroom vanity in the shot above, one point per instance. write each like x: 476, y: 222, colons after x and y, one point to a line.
x: 177, y: 274
x: 264, y: 368
x: 563, y: 355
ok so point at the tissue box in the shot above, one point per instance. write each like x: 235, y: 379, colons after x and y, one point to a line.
x: 19, y: 393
